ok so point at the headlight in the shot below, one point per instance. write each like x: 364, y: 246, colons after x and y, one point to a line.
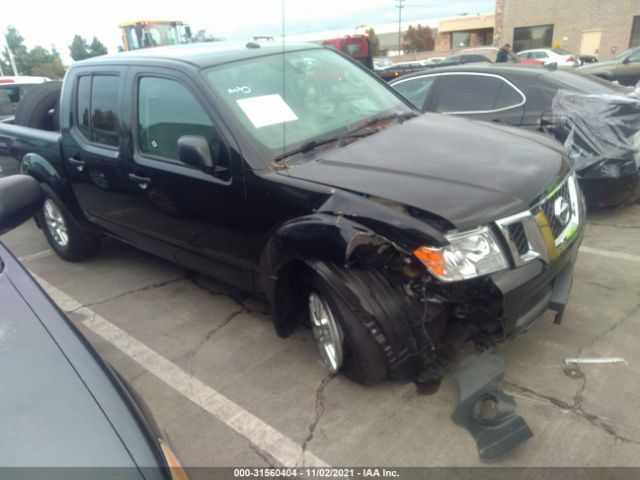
x: 469, y: 255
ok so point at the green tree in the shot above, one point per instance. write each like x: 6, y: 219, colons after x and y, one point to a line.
x: 38, y: 61
x: 374, y: 42
x: 418, y: 39
x: 97, y: 48
x: 53, y: 69
x: 15, y: 42
x: 79, y: 50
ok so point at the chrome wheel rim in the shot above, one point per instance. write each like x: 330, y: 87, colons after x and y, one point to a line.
x: 55, y: 223
x: 327, y: 333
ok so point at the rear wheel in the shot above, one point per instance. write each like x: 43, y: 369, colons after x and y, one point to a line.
x: 344, y: 344
x: 62, y: 234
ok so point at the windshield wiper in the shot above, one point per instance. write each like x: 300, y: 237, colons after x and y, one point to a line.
x: 385, y: 118
x: 313, y: 144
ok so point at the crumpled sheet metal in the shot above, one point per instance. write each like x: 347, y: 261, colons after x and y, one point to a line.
x: 486, y: 411
x: 601, y: 132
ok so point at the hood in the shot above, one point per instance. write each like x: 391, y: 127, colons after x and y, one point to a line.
x: 470, y: 173
x: 598, y: 67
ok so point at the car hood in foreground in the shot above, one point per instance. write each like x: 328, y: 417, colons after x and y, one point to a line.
x: 470, y: 173
x: 598, y: 66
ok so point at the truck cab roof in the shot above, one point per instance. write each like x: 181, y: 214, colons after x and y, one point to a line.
x: 201, y: 54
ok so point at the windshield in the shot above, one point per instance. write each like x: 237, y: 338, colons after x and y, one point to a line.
x: 588, y: 84
x: 286, y: 100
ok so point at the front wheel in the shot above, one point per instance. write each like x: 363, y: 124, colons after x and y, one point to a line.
x: 344, y: 344
x: 62, y: 234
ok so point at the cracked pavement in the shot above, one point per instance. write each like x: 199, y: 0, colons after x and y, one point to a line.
x: 585, y: 416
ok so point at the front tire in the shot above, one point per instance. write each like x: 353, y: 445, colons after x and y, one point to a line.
x: 345, y: 345
x: 62, y: 233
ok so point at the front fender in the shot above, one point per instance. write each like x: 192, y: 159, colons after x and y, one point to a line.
x: 320, y: 236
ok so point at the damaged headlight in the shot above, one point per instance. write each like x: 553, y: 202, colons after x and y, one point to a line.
x: 468, y: 255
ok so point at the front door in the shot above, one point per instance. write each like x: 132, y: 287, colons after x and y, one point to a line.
x: 200, y: 212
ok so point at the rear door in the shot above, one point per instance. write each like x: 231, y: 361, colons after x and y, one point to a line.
x: 93, y: 144
x: 480, y: 96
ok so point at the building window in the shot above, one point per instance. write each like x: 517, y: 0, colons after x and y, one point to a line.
x: 526, y: 38
x: 635, y: 32
x: 460, y: 39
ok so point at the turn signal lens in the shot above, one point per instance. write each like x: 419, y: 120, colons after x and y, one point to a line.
x: 433, y: 259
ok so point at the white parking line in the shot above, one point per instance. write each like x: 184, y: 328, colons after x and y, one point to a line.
x: 36, y: 256
x: 605, y: 253
x: 274, y: 443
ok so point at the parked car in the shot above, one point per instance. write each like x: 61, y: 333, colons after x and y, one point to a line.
x: 492, y: 54
x: 341, y: 221
x: 380, y: 63
x: 586, y: 59
x: 61, y: 404
x: 522, y: 96
x: 562, y: 58
x: 462, y: 59
x: 402, y: 68
x: 12, y: 90
x: 625, y: 68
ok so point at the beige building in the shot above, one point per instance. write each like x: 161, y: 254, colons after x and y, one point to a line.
x: 465, y: 31
x: 603, y: 28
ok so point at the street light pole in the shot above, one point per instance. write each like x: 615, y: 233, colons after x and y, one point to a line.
x: 399, y: 6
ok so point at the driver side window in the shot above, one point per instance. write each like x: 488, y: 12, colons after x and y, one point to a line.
x: 167, y: 111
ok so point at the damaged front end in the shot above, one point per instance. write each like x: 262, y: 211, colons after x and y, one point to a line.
x: 418, y: 291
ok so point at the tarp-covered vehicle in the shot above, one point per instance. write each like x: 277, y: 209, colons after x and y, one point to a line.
x: 602, y: 135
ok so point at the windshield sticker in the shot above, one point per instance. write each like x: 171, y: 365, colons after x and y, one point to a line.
x: 241, y: 89
x: 266, y: 110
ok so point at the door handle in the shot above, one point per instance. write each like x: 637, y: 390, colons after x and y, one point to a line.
x: 79, y: 164
x: 143, y: 182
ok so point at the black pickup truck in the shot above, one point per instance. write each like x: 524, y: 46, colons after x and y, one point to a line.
x: 293, y: 172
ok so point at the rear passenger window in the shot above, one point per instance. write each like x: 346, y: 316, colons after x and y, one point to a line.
x: 416, y: 90
x: 104, y: 108
x: 97, y: 107
x: 468, y: 93
x: 508, y: 97
x: 167, y: 111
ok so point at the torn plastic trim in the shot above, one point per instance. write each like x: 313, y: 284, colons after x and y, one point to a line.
x: 392, y: 318
x: 486, y: 411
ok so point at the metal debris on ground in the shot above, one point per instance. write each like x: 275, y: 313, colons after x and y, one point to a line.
x: 570, y: 360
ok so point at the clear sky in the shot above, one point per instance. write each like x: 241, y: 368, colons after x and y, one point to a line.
x: 49, y: 22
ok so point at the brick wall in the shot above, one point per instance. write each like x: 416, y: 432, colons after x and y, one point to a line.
x: 570, y: 18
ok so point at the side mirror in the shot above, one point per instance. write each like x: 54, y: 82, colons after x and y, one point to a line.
x: 194, y: 150
x: 20, y: 199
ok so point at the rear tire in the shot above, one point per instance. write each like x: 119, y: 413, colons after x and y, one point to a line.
x: 361, y: 358
x: 40, y: 108
x: 63, y: 234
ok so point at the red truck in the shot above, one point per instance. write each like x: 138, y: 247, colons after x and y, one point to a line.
x: 356, y: 46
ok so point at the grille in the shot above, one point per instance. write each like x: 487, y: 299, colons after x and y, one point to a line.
x: 518, y: 237
x: 547, y: 208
